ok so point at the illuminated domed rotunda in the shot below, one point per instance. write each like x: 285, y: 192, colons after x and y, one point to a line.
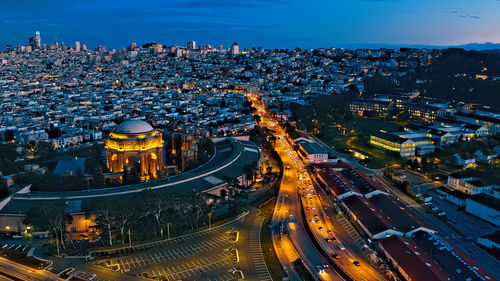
x: 135, y: 142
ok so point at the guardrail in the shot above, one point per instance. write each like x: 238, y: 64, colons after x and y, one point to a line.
x: 322, y: 251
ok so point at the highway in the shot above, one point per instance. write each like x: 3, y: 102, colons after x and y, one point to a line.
x: 288, y: 207
x: 322, y: 228
x: 320, y: 218
x: 295, y: 242
x: 23, y: 272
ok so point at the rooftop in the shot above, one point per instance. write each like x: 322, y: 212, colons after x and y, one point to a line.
x: 134, y: 127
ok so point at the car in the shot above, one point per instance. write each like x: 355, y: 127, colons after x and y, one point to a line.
x: 317, y: 221
x: 335, y: 256
x: 320, y: 269
x: 92, y: 277
x: 307, y: 208
x: 324, y: 264
x: 329, y: 231
x: 329, y: 240
x: 320, y: 228
x: 356, y: 263
x: 342, y: 247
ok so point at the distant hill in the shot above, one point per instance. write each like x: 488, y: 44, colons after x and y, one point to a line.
x: 470, y: 46
x: 479, y: 46
x: 453, y: 61
x: 452, y: 76
x: 492, y: 51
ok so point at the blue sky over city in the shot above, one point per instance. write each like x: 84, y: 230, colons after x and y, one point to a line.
x: 267, y: 23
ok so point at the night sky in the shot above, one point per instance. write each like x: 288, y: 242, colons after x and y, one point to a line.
x: 267, y: 23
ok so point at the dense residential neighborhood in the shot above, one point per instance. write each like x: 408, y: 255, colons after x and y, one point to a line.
x: 335, y: 159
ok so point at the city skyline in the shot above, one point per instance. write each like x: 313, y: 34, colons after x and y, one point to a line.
x: 257, y: 140
x: 271, y: 24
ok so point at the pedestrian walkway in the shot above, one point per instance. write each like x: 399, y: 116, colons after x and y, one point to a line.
x: 256, y: 257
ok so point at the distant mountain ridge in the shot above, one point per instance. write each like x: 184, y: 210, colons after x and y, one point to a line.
x: 486, y: 46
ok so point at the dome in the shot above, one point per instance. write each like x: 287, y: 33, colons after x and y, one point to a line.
x: 134, y: 127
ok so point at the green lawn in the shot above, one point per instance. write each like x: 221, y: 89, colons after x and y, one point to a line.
x: 272, y: 262
x: 364, y: 127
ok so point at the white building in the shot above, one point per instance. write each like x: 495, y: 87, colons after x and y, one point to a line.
x: 313, y: 152
x: 465, y: 159
x: 485, y: 207
x: 469, y: 184
x: 485, y: 155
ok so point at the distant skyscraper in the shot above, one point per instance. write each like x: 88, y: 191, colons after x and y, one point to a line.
x: 192, y: 45
x: 132, y: 46
x: 8, y: 48
x: 77, y: 46
x: 220, y: 47
x: 38, y: 40
x: 235, y: 49
x: 84, y: 47
x: 31, y: 42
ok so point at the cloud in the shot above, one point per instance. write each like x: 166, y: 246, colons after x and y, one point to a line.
x: 469, y: 16
x: 461, y: 13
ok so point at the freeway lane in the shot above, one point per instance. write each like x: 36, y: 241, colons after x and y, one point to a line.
x: 321, y: 223
x: 299, y: 242
x: 295, y: 176
x: 290, y: 207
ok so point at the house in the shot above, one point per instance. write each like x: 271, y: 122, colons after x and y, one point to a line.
x: 464, y: 159
x: 485, y: 155
x: 469, y: 183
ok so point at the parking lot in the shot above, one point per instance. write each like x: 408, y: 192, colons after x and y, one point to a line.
x: 216, y: 266
x: 470, y: 226
x: 205, y: 255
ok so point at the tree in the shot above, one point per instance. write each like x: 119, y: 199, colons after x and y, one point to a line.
x: 49, y: 216
x: 248, y: 171
x: 379, y: 85
x: 106, y: 215
x: 155, y: 204
x: 45, y: 150
x: 223, y: 193
x: 4, y: 191
x: 125, y: 213
x: 8, y: 135
x: 425, y: 163
x: 269, y: 169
